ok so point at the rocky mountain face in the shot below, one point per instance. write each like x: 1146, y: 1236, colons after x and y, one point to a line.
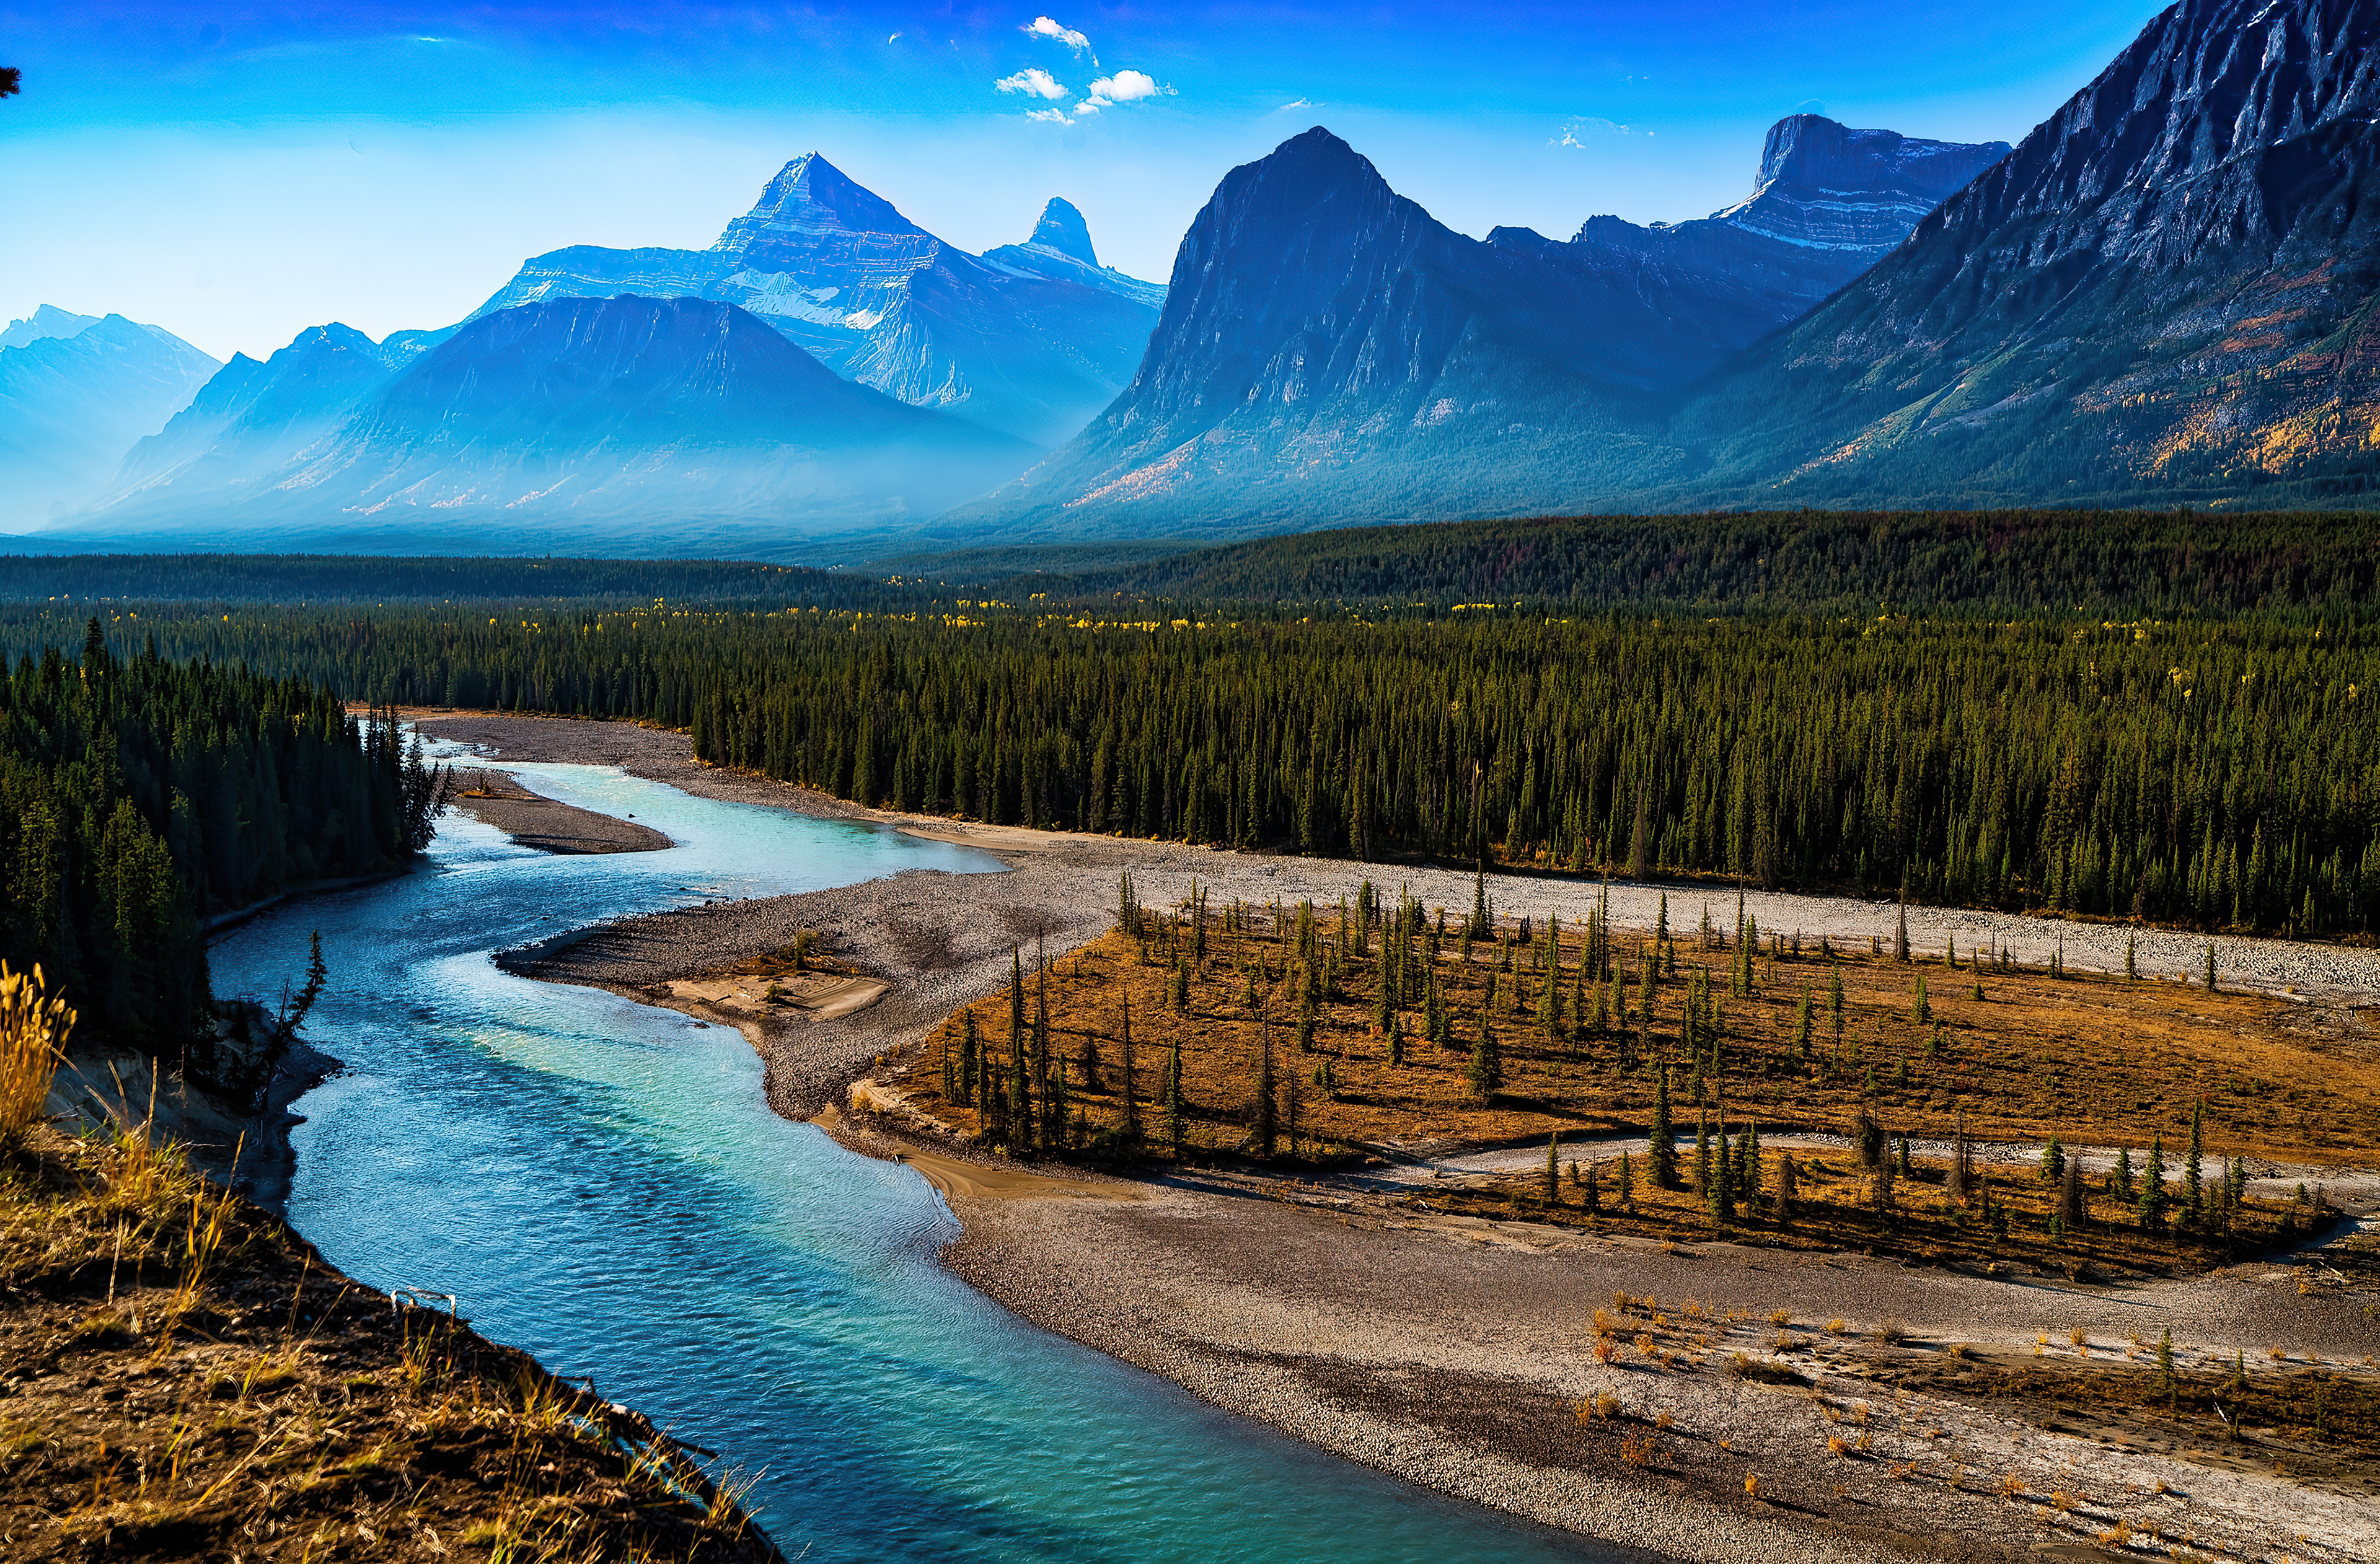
x: 2167, y: 291
x: 1830, y: 201
x: 633, y: 423
x: 74, y: 399
x: 1061, y: 249
x: 1031, y: 344
x: 1329, y: 352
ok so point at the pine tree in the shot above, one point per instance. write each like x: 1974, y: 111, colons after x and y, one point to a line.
x: 2194, y: 1197
x: 1664, y: 1152
x: 2123, y: 1175
x: 1266, y: 1131
x: 1131, y: 1089
x: 1627, y: 1185
x: 1801, y: 1026
x: 1747, y: 1177
x: 1920, y: 1012
x: 1835, y: 1007
x: 969, y: 1048
x: 2153, y: 1195
x: 1176, y: 1109
x: 1553, y: 1169
x: 1701, y: 1152
x: 2132, y: 958
x: 1487, y: 1073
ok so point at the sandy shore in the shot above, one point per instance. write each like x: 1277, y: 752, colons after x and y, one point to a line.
x: 1452, y: 1351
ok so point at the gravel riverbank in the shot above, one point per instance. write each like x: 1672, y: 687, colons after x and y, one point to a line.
x: 1453, y: 1351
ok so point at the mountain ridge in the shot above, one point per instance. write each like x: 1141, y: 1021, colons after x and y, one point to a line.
x: 1030, y: 341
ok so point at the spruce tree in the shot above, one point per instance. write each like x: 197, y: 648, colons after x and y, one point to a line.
x: 1801, y: 1026
x: 1176, y: 1109
x: 2210, y: 966
x: 1627, y: 1185
x: 1702, y: 1151
x: 2194, y: 1197
x: 969, y: 1047
x: 1131, y: 1089
x: 1266, y: 1132
x: 2132, y: 958
x: 2153, y: 1188
x: 1553, y: 1169
x: 1487, y: 1073
x: 1664, y: 1151
x: 2123, y: 1175
x: 1835, y: 1007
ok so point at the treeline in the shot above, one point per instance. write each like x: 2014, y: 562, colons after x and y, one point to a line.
x: 138, y: 797
x: 2298, y: 567
x: 332, y: 578
x: 2011, y: 563
x: 2212, y: 776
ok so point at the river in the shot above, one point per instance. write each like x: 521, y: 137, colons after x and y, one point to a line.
x: 602, y: 1183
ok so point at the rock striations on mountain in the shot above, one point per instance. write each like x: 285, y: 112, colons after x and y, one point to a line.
x: 2167, y: 293
x: 1329, y: 352
x: 1030, y: 341
x: 75, y: 395
x: 631, y: 423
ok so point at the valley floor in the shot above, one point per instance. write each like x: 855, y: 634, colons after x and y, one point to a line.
x: 1458, y: 1351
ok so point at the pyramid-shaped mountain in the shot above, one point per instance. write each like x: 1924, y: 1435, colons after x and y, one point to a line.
x: 1329, y: 352
x: 2167, y: 293
x: 629, y: 422
x: 1031, y: 345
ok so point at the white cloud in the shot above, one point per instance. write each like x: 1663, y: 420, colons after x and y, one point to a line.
x: 1126, y: 87
x: 1033, y: 79
x: 1044, y: 26
x: 1049, y: 116
x: 1580, y: 132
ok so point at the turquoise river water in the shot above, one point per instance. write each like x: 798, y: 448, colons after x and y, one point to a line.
x: 602, y: 1182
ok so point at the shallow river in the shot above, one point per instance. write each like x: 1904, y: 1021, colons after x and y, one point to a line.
x: 602, y: 1182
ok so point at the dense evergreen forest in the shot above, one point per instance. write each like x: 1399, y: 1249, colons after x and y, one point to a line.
x: 88, y: 579
x: 138, y: 797
x: 2301, y: 567
x: 2216, y: 773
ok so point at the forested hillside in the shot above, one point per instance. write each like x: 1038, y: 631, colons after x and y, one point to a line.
x: 2209, y: 773
x: 138, y: 796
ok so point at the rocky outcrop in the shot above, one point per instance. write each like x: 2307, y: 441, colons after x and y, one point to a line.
x: 1029, y: 344
x: 73, y: 401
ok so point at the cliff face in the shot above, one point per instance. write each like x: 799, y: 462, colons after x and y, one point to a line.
x: 1329, y: 352
x: 1031, y: 345
x: 2165, y: 292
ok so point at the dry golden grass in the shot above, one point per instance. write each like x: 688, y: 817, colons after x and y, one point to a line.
x: 193, y: 1385
x: 2085, y: 1058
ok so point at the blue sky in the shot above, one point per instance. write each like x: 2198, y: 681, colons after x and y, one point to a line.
x: 236, y: 174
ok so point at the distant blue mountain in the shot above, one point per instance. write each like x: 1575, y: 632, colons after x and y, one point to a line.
x: 75, y: 395
x: 1031, y: 340
x: 48, y: 321
x: 628, y: 424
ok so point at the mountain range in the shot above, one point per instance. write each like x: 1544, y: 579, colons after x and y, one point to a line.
x: 2164, y: 294
x: 1030, y: 339
x: 1331, y: 352
x: 630, y: 423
